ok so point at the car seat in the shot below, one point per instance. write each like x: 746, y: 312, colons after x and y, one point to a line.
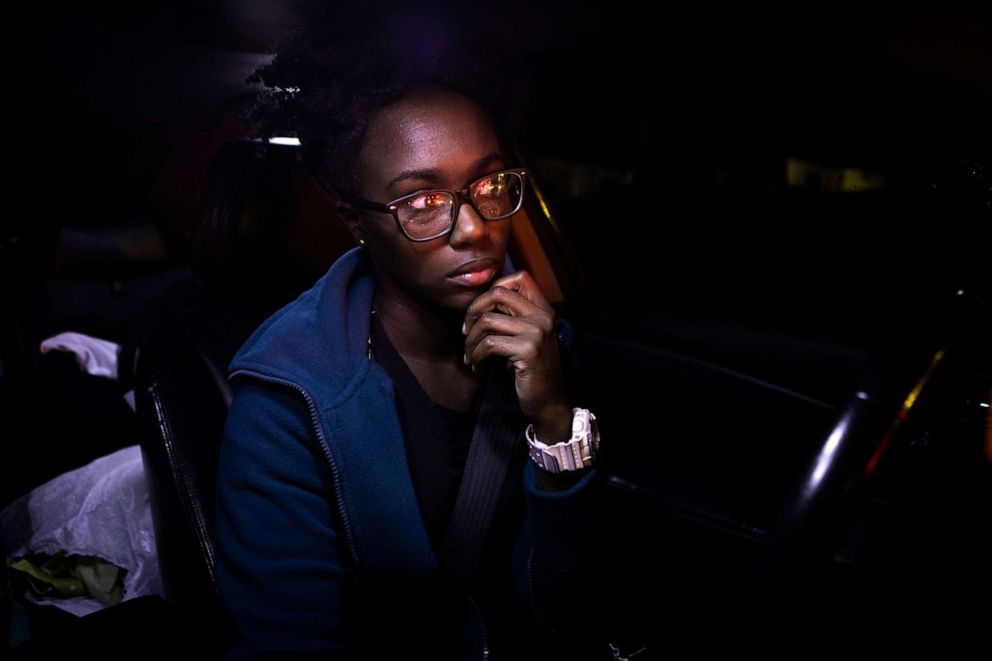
x: 243, y: 269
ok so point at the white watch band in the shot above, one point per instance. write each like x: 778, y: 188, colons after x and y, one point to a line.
x: 580, y: 451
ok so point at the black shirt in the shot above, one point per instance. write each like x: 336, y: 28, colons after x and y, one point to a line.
x: 437, y: 440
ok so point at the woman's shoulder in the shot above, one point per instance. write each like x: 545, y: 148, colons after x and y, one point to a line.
x: 266, y: 415
x: 269, y: 445
x: 316, y: 343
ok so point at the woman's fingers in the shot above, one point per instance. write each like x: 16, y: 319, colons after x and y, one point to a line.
x: 532, y: 355
x: 523, y: 283
x: 506, y: 302
x: 494, y: 325
x: 515, y: 321
x: 520, y: 282
x: 516, y: 349
x: 499, y: 299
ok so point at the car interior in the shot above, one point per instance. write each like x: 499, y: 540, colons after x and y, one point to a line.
x: 773, y: 254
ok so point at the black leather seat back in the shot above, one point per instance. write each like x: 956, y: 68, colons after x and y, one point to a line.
x: 182, y: 398
x: 244, y: 270
x: 182, y: 411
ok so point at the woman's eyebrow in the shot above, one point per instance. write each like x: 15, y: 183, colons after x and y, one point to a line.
x: 433, y: 174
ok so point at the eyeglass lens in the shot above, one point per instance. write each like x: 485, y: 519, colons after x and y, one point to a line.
x: 432, y: 212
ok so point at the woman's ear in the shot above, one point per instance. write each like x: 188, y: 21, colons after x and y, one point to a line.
x: 349, y: 215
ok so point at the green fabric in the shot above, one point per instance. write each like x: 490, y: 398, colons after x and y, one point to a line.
x: 48, y: 574
x: 103, y: 580
x: 60, y: 575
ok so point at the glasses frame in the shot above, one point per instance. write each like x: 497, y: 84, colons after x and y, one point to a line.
x: 392, y: 207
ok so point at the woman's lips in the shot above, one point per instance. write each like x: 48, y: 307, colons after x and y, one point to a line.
x: 473, y: 278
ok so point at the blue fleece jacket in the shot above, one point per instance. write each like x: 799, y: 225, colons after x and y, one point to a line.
x: 321, y: 547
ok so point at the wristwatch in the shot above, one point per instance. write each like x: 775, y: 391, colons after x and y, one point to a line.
x: 576, y: 453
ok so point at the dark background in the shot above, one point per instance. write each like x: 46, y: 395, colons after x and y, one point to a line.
x: 664, y: 136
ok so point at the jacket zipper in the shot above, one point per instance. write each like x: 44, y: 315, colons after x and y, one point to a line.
x: 323, y: 445
x: 482, y: 622
x: 530, y: 580
x: 530, y: 584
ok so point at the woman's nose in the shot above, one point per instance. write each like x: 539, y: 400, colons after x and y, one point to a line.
x: 469, y: 226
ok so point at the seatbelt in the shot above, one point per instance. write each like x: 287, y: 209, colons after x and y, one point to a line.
x: 495, y: 440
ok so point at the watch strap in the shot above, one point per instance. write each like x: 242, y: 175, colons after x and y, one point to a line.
x: 578, y: 452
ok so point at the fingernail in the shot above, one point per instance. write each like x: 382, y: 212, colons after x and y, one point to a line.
x: 463, y: 328
x: 473, y: 367
x: 465, y: 358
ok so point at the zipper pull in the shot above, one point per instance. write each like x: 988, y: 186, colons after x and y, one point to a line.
x: 618, y: 655
x: 482, y: 624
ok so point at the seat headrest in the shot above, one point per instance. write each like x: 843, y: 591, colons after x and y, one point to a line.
x: 263, y: 228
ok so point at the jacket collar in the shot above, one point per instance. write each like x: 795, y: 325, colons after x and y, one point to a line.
x: 318, y: 344
x: 319, y: 340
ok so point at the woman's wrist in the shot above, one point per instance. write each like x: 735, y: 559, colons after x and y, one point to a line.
x: 567, y: 456
x: 554, y: 426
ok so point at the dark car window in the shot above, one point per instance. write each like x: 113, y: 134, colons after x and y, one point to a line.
x: 790, y: 184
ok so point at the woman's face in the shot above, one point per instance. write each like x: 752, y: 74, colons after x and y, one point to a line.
x: 437, y: 139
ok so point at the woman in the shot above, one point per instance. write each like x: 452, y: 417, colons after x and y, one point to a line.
x: 356, y: 405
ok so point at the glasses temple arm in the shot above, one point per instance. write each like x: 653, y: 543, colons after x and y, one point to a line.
x: 367, y: 204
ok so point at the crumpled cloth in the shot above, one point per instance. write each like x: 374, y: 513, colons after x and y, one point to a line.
x: 102, y: 510
x: 93, y: 354
x: 64, y: 575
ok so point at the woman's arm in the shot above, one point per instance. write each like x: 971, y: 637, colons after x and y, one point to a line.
x: 279, y: 561
x: 558, y: 558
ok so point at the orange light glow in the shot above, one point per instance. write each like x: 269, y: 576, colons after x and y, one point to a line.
x: 904, y: 411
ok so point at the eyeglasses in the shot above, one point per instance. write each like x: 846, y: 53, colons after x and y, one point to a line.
x: 428, y: 214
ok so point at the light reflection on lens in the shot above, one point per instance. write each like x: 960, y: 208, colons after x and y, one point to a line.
x: 431, y: 213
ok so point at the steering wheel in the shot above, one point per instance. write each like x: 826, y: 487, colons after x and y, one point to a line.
x: 789, y: 567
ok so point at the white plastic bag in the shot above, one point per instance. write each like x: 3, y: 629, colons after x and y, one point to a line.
x: 101, y: 509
